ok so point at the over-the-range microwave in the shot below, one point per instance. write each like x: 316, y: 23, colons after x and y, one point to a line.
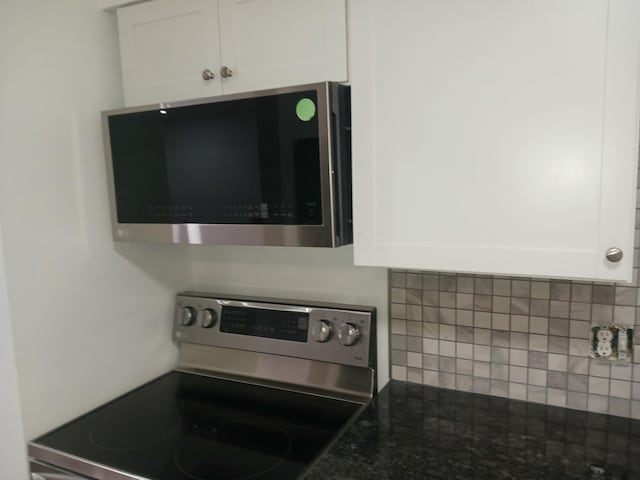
x: 271, y: 167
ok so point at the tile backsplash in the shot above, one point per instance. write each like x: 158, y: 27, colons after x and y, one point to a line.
x: 521, y: 338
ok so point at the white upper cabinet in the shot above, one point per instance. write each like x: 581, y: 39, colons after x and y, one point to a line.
x: 180, y: 49
x: 497, y: 136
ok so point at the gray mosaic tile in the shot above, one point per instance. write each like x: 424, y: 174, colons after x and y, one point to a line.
x: 581, y: 293
x: 414, y: 344
x: 626, y: 295
x: 464, y: 367
x: 601, y: 313
x: 482, y: 319
x: 430, y: 362
x: 430, y: 314
x: 580, y: 311
x: 430, y: 298
x: 521, y: 288
x: 447, y: 380
x: 539, y: 308
x: 502, y: 287
x: 500, y: 338
x: 464, y: 317
x: 464, y: 334
x: 414, y: 297
x: 559, y: 345
x: 464, y: 301
x: 399, y: 342
x: 482, y: 303
x: 447, y: 299
x: 519, y: 340
x: 519, y: 306
x: 558, y: 309
x: 560, y: 291
x: 540, y: 290
x: 557, y: 380
x: 414, y: 312
x: 447, y: 315
x: 464, y: 383
x: 537, y: 360
x: 465, y: 284
x: 399, y: 357
x: 603, y: 294
x: 483, y: 286
x: 430, y: 281
x: 482, y: 336
x: 447, y: 364
x: 577, y: 383
x: 499, y: 388
x: 501, y: 304
x: 414, y: 280
x: 448, y: 283
x: 398, y: 279
x: 499, y: 371
x: 559, y: 327
x: 500, y: 355
x: 619, y: 407
x: 481, y: 385
x: 577, y: 400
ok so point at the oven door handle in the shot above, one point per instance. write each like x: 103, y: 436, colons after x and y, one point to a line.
x: 53, y: 476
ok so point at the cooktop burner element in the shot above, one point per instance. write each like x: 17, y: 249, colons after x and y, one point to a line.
x: 262, y: 446
x: 242, y: 422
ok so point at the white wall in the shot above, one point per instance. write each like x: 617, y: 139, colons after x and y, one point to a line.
x: 297, y: 273
x: 13, y: 455
x: 90, y: 319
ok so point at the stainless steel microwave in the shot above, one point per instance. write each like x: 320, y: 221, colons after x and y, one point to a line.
x: 263, y: 168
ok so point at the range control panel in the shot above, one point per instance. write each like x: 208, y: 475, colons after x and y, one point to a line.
x: 333, y: 333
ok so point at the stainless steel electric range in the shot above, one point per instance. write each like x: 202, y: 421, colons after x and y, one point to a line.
x: 262, y: 388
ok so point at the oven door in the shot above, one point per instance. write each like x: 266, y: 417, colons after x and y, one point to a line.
x: 40, y: 471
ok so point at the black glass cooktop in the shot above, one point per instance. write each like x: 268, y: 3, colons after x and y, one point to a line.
x: 184, y: 427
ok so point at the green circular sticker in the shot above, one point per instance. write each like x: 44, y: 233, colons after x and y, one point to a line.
x: 305, y: 109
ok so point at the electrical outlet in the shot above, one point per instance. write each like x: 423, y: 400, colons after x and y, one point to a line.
x: 612, y: 342
x: 604, y: 346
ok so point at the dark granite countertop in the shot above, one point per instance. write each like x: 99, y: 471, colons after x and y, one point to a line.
x: 414, y: 432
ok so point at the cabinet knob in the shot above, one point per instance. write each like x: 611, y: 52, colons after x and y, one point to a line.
x: 614, y: 254
x: 226, y: 72
x: 208, y: 74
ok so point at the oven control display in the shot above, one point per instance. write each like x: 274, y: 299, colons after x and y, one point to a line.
x: 265, y: 323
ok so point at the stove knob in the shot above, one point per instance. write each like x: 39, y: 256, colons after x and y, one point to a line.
x: 321, y: 331
x: 209, y: 318
x: 348, y: 334
x: 189, y: 315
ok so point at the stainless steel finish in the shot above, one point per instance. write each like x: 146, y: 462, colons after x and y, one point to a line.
x: 332, y: 350
x: 321, y: 331
x: 208, y: 75
x: 614, y: 254
x: 348, y: 334
x: 188, y: 315
x: 209, y: 318
x: 323, y: 235
x: 343, y: 382
x: 44, y: 461
x: 226, y: 72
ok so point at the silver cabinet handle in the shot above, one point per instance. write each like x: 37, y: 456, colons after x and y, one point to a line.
x: 614, y: 254
x: 226, y: 72
x: 208, y: 75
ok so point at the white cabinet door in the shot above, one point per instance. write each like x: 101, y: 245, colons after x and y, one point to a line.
x: 495, y: 136
x: 273, y: 43
x: 165, y: 46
